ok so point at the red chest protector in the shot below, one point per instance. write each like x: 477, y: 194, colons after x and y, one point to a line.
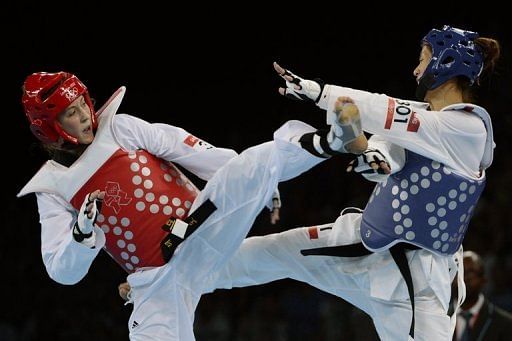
x: 142, y: 192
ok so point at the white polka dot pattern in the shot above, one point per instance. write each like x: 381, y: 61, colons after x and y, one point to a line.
x: 436, y: 176
x: 137, y: 180
x: 423, y: 204
x: 148, y: 184
x: 425, y: 183
x: 150, y: 197
x: 152, y: 194
x: 138, y: 193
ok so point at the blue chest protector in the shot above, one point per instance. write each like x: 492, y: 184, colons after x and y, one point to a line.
x: 424, y: 204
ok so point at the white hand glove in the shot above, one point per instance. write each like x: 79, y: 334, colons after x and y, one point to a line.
x: 298, y: 88
x: 89, y: 210
x: 371, y: 164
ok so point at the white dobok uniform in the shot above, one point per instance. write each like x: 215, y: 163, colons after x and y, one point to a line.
x: 459, y: 136
x: 164, y: 296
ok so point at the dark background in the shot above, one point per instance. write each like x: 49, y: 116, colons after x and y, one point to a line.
x: 209, y: 70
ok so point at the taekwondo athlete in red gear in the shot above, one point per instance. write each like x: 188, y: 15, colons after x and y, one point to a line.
x: 153, y: 221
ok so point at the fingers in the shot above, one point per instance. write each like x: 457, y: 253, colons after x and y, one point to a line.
x: 279, y: 69
x: 368, y: 164
x: 274, y: 216
x: 287, y: 75
x: 380, y: 165
x: 124, y: 289
x: 385, y: 167
x: 283, y: 72
x: 374, y: 165
x: 356, y: 164
x: 96, y: 195
x: 350, y: 166
x: 285, y: 92
x: 89, y: 209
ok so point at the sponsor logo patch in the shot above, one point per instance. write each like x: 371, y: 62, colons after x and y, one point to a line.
x: 313, y: 232
x: 115, y: 197
x: 196, y: 143
x: 191, y: 140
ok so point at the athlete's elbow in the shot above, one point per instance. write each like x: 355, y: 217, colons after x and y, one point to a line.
x: 64, y: 276
x: 65, y: 279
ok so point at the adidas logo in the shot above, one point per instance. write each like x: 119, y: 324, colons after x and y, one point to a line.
x: 135, y: 324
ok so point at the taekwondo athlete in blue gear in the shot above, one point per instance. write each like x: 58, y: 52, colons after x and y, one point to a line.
x: 434, y: 190
x: 405, y: 287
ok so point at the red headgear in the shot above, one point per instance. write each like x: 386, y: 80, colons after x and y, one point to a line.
x: 45, y: 96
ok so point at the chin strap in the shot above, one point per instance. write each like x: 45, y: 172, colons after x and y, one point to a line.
x: 424, y: 85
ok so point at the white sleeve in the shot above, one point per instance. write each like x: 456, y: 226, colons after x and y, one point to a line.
x: 66, y: 260
x: 172, y: 144
x: 444, y: 136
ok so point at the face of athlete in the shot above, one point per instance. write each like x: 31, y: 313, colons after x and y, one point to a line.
x: 425, y: 56
x: 76, y: 121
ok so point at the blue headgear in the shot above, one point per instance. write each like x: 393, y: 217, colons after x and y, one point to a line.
x: 454, y: 53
